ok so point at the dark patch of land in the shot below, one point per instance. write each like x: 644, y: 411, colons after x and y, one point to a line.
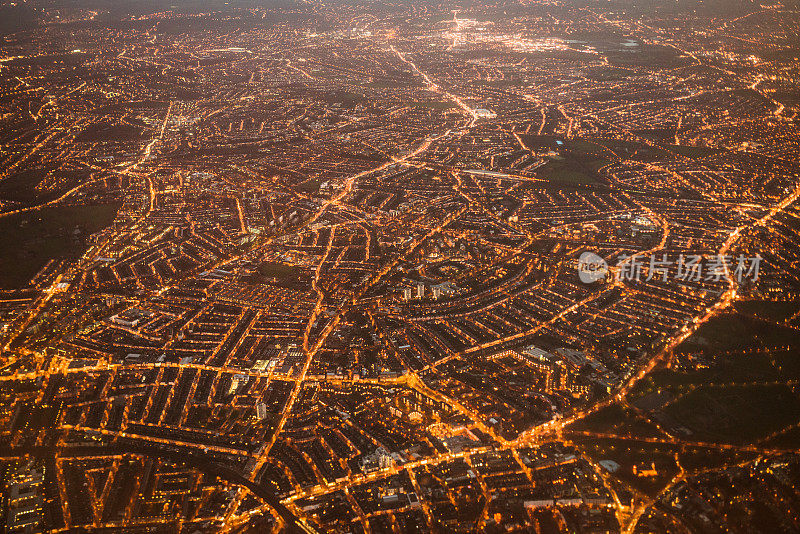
x: 29, y: 240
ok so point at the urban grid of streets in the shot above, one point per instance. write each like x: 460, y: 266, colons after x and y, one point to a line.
x: 315, y: 269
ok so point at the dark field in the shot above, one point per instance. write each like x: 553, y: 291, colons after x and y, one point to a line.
x: 29, y: 240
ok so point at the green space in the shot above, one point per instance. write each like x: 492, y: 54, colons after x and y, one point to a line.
x: 660, y: 386
x: 29, y: 240
x: 591, y: 153
x: 564, y: 171
x: 790, y: 439
x: 777, y: 311
x: 26, y: 186
x: 310, y: 186
x: 694, y: 458
x: 21, y: 186
x: 662, y: 380
x: 738, y: 348
x: 633, y: 150
x: 736, y: 414
x: 787, y: 362
x: 577, y: 162
x: 745, y: 368
x: 744, y: 388
x: 615, y: 419
x: 281, y: 274
x: 734, y: 331
x: 275, y: 269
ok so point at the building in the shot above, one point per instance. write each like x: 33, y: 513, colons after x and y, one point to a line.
x: 25, y: 500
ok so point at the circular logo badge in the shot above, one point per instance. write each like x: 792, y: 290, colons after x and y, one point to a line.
x: 591, y: 268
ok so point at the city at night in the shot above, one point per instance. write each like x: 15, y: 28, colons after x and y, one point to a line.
x: 400, y: 266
